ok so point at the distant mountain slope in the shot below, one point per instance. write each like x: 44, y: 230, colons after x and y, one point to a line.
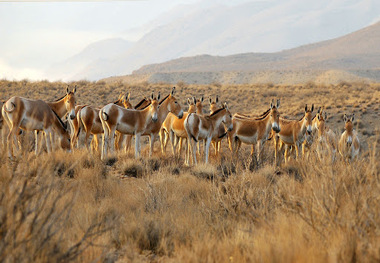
x: 253, y: 26
x: 356, y: 51
x: 98, y: 51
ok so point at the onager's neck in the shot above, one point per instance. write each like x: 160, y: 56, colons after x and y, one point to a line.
x: 58, y: 107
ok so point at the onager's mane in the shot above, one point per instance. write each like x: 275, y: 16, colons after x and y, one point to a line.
x: 61, y: 97
x: 116, y: 101
x: 163, y: 99
x: 141, y: 102
x: 60, y: 120
x: 215, y: 112
x: 264, y: 115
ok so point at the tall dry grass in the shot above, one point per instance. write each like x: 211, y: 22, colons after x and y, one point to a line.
x: 74, y: 207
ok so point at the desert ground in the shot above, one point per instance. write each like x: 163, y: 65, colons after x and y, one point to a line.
x: 74, y: 207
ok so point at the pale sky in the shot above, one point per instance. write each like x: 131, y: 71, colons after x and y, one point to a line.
x: 38, y: 34
x: 34, y: 35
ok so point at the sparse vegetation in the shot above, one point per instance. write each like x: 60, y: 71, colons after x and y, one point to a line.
x: 74, y: 207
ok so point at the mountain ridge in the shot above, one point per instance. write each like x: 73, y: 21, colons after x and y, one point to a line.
x: 230, y: 29
x: 353, y: 57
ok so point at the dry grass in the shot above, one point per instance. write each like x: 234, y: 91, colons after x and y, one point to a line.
x: 74, y: 207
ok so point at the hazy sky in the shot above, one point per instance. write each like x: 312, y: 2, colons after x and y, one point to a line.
x: 38, y: 34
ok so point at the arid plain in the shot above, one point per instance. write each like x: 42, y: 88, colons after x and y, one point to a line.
x: 74, y: 207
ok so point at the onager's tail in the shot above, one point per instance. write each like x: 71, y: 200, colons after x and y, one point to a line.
x: 9, y: 110
x: 187, y: 128
x: 104, y: 115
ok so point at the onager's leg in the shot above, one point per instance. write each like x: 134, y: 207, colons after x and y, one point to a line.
x: 128, y: 142
x: 105, y: 139
x: 137, y: 145
x: 35, y: 142
x: 207, y: 149
x: 152, y: 137
x: 48, y: 137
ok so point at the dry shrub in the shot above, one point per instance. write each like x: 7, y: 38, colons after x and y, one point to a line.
x: 38, y: 216
x: 204, y: 171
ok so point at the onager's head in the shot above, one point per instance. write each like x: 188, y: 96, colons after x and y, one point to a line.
x: 191, y: 103
x: 173, y: 105
x: 227, y: 118
x: 214, y: 104
x: 199, y: 105
x: 320, y: 122
x: 308, y: 119
x: 275, y: 116
x: 65, y: 141
x: 349, y: 127
x: 125, y: 100
x: 154, y: 106
x: 70, y: 102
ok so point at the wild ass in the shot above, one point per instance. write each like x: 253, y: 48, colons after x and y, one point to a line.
x: 205, y: 128
x: 33, y: 115
x: 173, y: 127
x: 87, y: 120
x: 293, y: 133
x: 322, y: 137
x: 217, y: 141
x: 254, y: 130
x: 349, y: 144
x: 168, y: 105
x: 127, y: 121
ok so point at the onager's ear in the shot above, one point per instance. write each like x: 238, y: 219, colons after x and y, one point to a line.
x: 202, y: 98
x: 345, y: 118
x: 306, y: 108
x: 278, y: 103
x: 325, y: 116
x: 159, y: 96
x: 173, y: 91
x: 353, y: 117
x: 188, y: 101
x: 194, y: 100
x: 225, y: 105
x: 319, y: 110
x: 210, y: 101
x: 217, y: 99
x: 152, y: 97
x: 312, y: 107
x: 271, y: 104
x: 127, y: 97
x: 74, y: 89
x: 67, y: 89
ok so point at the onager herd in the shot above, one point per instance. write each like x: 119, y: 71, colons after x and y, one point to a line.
x: 119, y: 121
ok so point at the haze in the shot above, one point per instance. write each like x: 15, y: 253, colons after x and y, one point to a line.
x: 37, y: 35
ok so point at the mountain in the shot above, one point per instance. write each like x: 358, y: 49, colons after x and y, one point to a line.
x: 352, y: 57
x: 356, y: 51
x: 96, y: 52
x: 253, y: 26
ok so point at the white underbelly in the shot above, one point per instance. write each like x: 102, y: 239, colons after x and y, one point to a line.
x: 30, y: 125
x: 180, y: 133
x: 248, y: 139
x: 125, y: 128
x: 203, y: 134
x: 287, y: 139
